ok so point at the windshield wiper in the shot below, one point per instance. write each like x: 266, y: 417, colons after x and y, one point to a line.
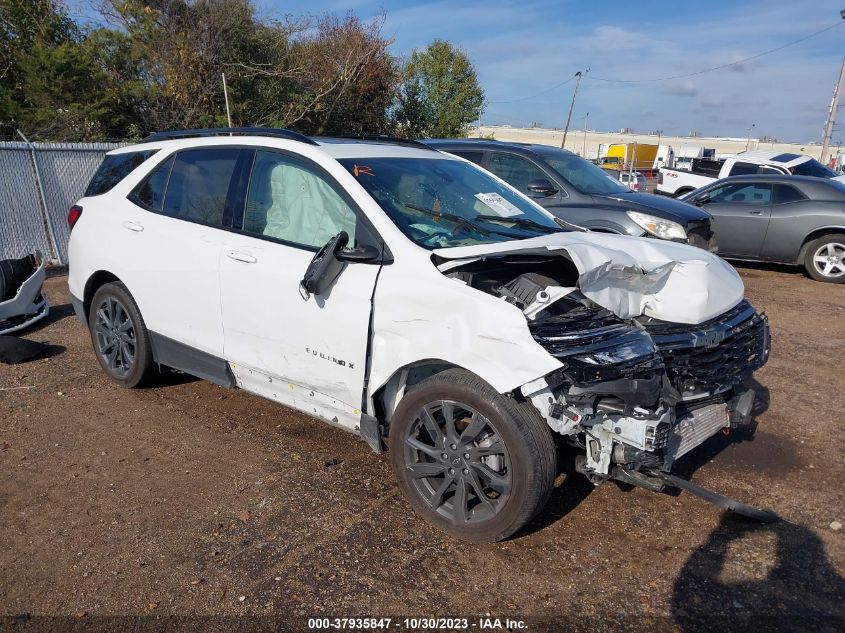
x: 520, y: 222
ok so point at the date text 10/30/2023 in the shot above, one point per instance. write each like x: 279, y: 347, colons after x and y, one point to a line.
x: 414, y: 624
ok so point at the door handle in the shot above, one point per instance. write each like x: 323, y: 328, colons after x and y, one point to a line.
x: 133, y: 226
x: 240, y: 256
x: 755, y: 212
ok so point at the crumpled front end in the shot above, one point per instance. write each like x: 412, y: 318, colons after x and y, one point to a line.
x: 642, y: 393
x: 653, y: 351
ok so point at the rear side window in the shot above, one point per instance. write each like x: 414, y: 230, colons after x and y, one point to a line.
x: 115, y: 168
x: 150, y: 193
x: 743, y: 169
x: 199, y: 183
x: 785, y: 193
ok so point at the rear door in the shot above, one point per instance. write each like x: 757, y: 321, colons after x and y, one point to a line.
x: 173, y: 234
x: 309, y: 352
x: 741, y: 213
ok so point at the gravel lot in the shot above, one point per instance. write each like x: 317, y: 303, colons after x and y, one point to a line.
x: 171, y: 504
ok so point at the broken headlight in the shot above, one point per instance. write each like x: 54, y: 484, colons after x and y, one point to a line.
x: 659, y: 227
x: 639, y: 347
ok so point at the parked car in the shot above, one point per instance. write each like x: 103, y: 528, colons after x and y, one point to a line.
x: 413, y: 298
x: 581, y: 193
x: 678, y: 182
x: 785, y: 219
x: 635, y: 182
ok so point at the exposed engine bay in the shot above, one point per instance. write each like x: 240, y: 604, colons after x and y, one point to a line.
x: 634, y: 393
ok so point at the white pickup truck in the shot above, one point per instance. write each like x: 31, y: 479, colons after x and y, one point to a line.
x: 677, y: 182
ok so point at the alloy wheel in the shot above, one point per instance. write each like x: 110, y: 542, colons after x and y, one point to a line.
x: 458, y: 462
x: 829, y: 259
x: 115, y: 336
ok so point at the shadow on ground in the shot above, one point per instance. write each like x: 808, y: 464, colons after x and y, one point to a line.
x: 800, y: 591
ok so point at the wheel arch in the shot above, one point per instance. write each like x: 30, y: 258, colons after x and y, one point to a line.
x: 94, y: 283
x: 816, y: 234
x: 386, y: 398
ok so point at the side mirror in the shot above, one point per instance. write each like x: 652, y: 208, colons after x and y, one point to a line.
x: 702, y: 200
x: 365, y: 253
x: 324, y: 267
x: 542, y: 188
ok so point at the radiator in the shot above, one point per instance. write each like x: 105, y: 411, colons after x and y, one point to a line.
x: 695, y: 427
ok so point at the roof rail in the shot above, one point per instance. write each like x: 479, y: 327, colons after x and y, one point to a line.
x: 381, y: 138
x: 230, y: 131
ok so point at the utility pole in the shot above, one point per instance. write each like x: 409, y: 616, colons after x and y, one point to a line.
x: 571, y: 106
x: 226, y: 97
x: 831, y: 115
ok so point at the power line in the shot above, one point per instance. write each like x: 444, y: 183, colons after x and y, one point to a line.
x: 708, y: 70
x: 536, y: 94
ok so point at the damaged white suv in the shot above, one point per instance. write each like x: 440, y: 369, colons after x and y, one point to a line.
x: 414, y: 298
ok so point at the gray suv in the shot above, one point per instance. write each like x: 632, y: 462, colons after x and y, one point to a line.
x: 581, y: 193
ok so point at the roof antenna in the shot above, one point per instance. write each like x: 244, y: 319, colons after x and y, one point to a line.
x: 226, y: 97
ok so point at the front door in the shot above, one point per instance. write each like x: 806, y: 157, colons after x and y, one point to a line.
x: 308, y: 352
x: 741, y: 213
x: 518, y: 171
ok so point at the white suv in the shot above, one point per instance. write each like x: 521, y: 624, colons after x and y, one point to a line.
x: 411, y: 297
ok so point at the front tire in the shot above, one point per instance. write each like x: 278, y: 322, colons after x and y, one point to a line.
x: 824, y: 258
x: 119, y: 336
x: 471, y: 461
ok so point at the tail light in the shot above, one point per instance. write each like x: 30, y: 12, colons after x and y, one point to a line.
x: 73, y: 216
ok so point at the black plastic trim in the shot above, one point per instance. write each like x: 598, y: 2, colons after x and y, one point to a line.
x: 192, y: 361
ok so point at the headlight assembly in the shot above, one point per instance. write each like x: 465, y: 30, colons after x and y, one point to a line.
x: 659, y: 227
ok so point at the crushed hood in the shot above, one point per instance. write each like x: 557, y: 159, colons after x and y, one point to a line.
x: 629, y: 276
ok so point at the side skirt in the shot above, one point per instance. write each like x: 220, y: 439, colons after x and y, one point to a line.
x: 192, y: 361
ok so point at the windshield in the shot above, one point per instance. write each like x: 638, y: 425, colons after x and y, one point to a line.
x: 813, y: 168
x: 440, y: 202
x: 581, y: 174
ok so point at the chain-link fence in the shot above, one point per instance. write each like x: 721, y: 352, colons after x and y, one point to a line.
x: 38, y: 184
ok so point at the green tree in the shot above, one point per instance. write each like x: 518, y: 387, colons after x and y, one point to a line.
x: 439, y: 95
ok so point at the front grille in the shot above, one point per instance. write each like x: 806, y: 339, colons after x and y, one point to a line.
x: 714, y: 355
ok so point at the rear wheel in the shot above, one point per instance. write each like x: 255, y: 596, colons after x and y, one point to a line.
x: 471, y: 461
x: 119, y: 336
x: 824, y: 258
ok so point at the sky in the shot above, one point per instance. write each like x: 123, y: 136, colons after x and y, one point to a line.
x: 524, y: 52
x: 520, y: 49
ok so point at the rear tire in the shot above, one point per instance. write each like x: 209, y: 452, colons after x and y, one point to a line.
x: 824, y: 258
x: 119, y: 336
x: 480, y: 477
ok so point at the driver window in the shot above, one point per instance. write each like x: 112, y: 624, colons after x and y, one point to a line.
x: 289, y: 201
x: 515, y: 171
x: 742, y: 193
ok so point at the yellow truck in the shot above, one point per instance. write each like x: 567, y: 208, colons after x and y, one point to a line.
x: 621, y: 155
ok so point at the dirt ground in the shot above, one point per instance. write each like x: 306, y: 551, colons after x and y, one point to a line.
x: 191, y: 506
